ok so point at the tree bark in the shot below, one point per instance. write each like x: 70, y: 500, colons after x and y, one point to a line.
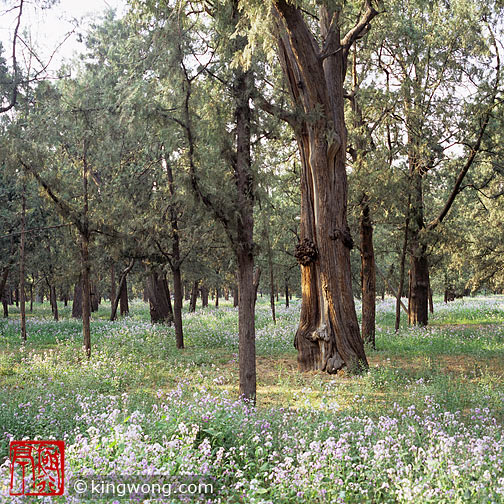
x: 175, y: 263
x: 122, y: 282
x: 95, y: 298
x: 235, y: 296
x: 204, y: 297
x: 419, y: 267
x: 113, y: 288
x: 328, y: 336
x: 271, y: 278
x: 54, y: 301
x: 286, y: 293
x: 194, y: 297
x: 217, y: 294
x: 123, y: 298
x: 77, y: 299
x: 22, y: 264
x: 368, y: 275
x: 401, y: 273
x: 159, y: 298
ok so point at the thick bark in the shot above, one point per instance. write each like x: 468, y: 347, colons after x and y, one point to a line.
x: 159, y: 298
x: 194, y: 297
x: 204, y: 297
x: 368, y: 275
x: 123, y: 298
x: 95, y: 298
x: 419, y: 268
x: 328, y: 336
x: 77, y: 300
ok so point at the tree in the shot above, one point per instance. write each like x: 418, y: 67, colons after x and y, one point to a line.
x: 314, y: 67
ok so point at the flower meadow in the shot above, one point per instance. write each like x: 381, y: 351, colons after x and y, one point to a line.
x: 424, y: 424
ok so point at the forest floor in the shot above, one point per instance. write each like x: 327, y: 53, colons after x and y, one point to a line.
x: 424, y: 424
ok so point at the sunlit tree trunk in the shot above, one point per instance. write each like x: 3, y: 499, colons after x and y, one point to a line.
x: 328, y: 336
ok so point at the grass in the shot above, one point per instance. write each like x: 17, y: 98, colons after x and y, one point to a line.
x: 448, y: 377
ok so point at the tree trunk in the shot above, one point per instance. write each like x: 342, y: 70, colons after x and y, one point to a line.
x: 194, y: 297
x: 54, y: 301
x: 86, y: 294
x: 226, y: 294
x: 235, y: 296
x: 113, y: 287
x: 31, y: 297
x: 175, y: 262
x: 271, y: 278
x: 22, y: 264
x: 217, y: 293
x: 286, y: 293
x: 419, y: 268
x: 177, y: 306
x: 77, y: 300
x: 204, y: 297
x: 401, y: 273
x: 122, y: 284
x: 368, y: 275
x: 123, y: 298
x: 159, y: 298
x: 328, y: 336
x: 95, y: 298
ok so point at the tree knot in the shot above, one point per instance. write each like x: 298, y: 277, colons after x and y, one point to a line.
x: 306, y: 252
x: 343, y: 235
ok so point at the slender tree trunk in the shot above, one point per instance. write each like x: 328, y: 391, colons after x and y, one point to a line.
x: 86, y: 294
x: 122, y: 282
x: 54, y: 301
x: 401, y: 273
x: 226, y: 294
x: 286, y: 293
x: 113, y: 288
x: 175, y: 262
x: 194, y: 297
x: 22, y: 264
x: 271, y: 278
x: 368, y: 275
x: 419, y: 268
x: 328, y: 335
x: 31, y: 297
x: 217, y: 294
x: 177, y: 306
x: 431, y: 301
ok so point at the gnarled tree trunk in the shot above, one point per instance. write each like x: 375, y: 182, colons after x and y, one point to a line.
x: 328, y: 336
x: 159, y: 298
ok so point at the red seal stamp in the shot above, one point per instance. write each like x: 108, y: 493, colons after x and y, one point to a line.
x: 37, y: 468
